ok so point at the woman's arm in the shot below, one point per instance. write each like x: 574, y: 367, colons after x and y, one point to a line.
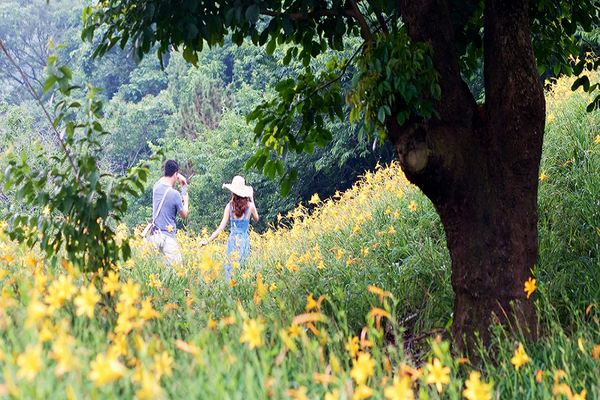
x: 222, y: 226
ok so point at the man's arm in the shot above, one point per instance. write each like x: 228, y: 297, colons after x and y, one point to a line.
x: 185, y: 198
x: 184, y: 211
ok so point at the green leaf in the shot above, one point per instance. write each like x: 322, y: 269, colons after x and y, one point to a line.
x: 279, y: 166
x: 581, y: 81
x: 381, y: 115
x: 270, y: 49
x: 286, y: 186
x: 49, y: 83
x: 309, y: 148
x: 252, y: 13
x: 288, y: 28
x: 260, y: 163
x: 250, y: 162
x: 66, y: 71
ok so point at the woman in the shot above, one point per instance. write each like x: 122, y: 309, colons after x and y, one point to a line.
x: 240, y: 209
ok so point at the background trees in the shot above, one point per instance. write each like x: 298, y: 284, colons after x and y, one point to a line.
x: 196, y: 114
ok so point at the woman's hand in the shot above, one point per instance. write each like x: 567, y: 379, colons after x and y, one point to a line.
x: 203, y: 243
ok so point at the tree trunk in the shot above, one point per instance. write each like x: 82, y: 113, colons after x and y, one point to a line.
x: 480, y: 168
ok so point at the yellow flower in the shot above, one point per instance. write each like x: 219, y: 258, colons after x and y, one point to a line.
x: 30, y: 362
x: 314, y: 199
x: 150, y: 386
x: 299, y: 394
x: 520, y: 357
x: 118, y: 346
x: 543, y: 175
x: 311, y: 303
x: 412, y: 206
x: 154, y: 282
x: 352, y: 346
x: 597, y: 139
x: 400, y: 390
x: 40, y: 281
x: 130, y: 292
x: 539, y: 375
x: 7, y: 258
x: 596, y: 352
x: 187, y: 347
x: 62, y: 352
x: 86, y: 301
x: 333, y: 395
x: 36, y: 310
x: 162, y: 364
x: 362, y: 392
x: 46, y: 211
x: 251, y: 334
x: 293, y: 331
x: 170, y: 228
x: 580, y: 396
x: 363, y: 368
x: 105, y: 370
x: 476, y: 390
x: 59, y: 291
x: 147, y: 312
x: 212, y: 324
x: 530, y: 286
x: 45, y: 334
x: 111, y: 283
x: 30, y: 260
x: 438, y: 375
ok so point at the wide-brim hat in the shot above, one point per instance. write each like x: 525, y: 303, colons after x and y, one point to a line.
x: 238, y: 186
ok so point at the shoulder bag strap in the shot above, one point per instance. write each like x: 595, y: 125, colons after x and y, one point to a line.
x: 160, y: 205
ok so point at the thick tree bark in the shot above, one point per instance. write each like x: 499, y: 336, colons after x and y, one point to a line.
x: 480, y: 169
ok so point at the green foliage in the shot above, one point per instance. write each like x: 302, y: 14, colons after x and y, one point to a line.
x: 396, y: 78
x: 76, y: 206
x: 295, y: 121
x: 301, y: 97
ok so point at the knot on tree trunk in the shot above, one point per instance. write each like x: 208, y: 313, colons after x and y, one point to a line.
x: 411, y: 147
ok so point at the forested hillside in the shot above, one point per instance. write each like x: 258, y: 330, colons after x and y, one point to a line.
x: 196, y: 115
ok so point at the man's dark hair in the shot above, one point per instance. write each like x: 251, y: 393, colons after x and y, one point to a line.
x: 171, y: 167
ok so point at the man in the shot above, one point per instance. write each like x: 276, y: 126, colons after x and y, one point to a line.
x: 174, y: 202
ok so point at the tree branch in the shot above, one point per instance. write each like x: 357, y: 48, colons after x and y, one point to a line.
x: 380, y: 19
x: 353, y: 13
x: 429, y: 21
x: 311, y: 15
x: 62, y: 144
x: 362, y: 22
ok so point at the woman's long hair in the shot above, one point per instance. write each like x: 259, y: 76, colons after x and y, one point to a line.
x: 240, y: 205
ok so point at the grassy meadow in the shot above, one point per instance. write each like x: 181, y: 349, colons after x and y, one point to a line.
x: 346, y: 298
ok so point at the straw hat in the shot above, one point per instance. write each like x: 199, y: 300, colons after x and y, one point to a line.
x: 238, y: 186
